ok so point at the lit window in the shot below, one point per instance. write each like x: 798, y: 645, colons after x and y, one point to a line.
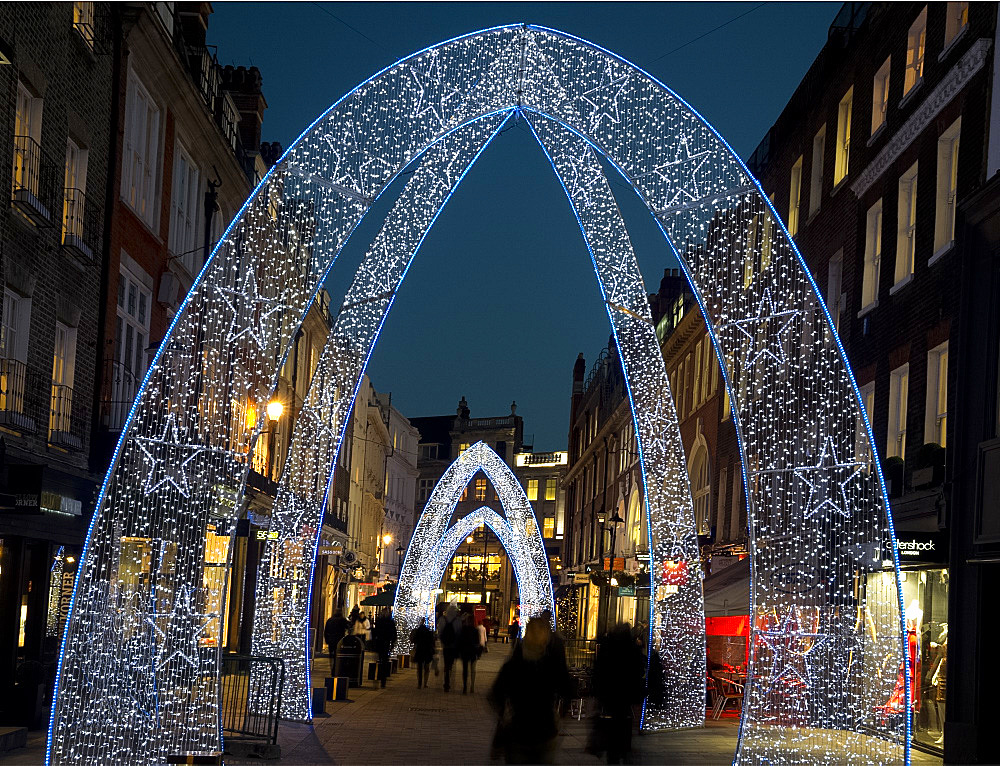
x: 532, y: 489
x: 899, y: 384
x: 701, y: 490
x: 835, y: 287
x: 549, y: 527
x: 74, y: 187
x: 750, y: 254
x: 697, y: 377
x: 880, y: 96
x: 140, y: 159
x: 906, y: 228
x: 915, y: 40
x: 794, y: 197
x: 27, y: 137
x: 83, y: 22
x: 63, y: 362
x: 936, y: 411
x: 550, y: 489
x: 947, y: 187
x: 873, y: 256
x: 868, y: 402
x: 956, y: 21
x: 481, y: 489
x: 844, y: 111
x: 816, y: 172
x: 463, y: 447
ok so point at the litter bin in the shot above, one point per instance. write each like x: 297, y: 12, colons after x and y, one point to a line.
x: 350, y: 659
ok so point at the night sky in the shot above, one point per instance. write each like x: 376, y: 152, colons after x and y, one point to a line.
x: 502, y: 296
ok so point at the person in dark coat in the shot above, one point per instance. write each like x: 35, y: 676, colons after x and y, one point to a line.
x: 334, y: 630
x: 525, y: 696
x: 424, y: 645
x: 469, y: 649
x: 449, y: 631
x: 618, y: 685
x: 384, y: 639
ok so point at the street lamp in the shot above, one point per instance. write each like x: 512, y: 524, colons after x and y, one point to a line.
x: 399, y: 561
x: 274, y: 412
x: 615, y: 520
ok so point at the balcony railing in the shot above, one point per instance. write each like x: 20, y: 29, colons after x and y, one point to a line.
x: 26, y: 192
x: 119, y: 387
x: 63, y: 429
x: 77, y: 235
x: 13, y: 390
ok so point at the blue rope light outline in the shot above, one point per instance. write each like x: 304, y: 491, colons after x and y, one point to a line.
x: 238, y: 217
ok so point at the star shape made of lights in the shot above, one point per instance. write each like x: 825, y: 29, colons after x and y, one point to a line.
x: 426, y: 84
x: 774, y: 325
x: 681, y: 173
x: 164, y: 467
x: 185, y: 624
x: 261, y: 325
x: 791, y: 651
x: 827, y: 479
x: 604, y: 102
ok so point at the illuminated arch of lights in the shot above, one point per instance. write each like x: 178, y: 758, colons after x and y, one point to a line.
x: 434, y: 542
x: 139, y: 663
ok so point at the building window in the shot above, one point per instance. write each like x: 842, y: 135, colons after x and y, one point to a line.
x: 63, y: 363
x: 955, y: 22
x: 936, y: 411
x: 184, y: 210
x: 880, y: 96
x: 428, y: 451
x: 868, y: 403
x: 843, y: 157
x: 915, y: 40
x: 794, y: 197
x: 83, y: 22
x: 424, y: 489
x: 463, y: 447
x: 816, y: 171
x: 873, y: 256
x: 899, y: 384
x: 141, y: 151
x: 74, y: 190
x: 697, y: 378
x: 947, y: 187
x: 550, y: 489
x: 481, y: 490
x: 549, y: 527
x: 532, y: 489
x: 835, y: 287
x: 751, y: 252
x: 701, y: 490
x: 131, y: 336
x: 27, y: 138
x: 906, y: 227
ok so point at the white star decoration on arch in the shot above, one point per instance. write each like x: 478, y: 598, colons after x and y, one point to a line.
x: 763, y: 334
x: 165, y: 468
x: 827, y: 480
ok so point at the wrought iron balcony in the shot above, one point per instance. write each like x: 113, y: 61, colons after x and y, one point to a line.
x: 26, y: 192
x: 77, y: 234
x: 13, y: 390
x: 119, y: 386
x: 64, y: 430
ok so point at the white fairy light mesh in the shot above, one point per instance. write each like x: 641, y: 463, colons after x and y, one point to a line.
x: 138, y: 674
x: 434, y: 542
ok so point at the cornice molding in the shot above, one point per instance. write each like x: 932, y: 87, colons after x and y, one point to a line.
x: 936, y: 101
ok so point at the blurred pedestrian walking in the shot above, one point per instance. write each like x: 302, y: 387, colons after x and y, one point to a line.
x: 469, y: 649
x: 385, y: 635
x: 618, y: 685
x: 450, y: 632
x: 424, y: 645
x: 334, y: 630
x: 525, y: 696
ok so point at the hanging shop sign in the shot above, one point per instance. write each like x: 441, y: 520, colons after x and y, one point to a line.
x: 581, y: 578
x: 626, y: 590
x: 267, y: 534
x: 333, y: 549
x: 921, y: 548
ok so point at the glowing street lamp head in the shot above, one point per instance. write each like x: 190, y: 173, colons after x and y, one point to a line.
x: 469, y: 539
x: 386, y: 539
x: 274, y: 410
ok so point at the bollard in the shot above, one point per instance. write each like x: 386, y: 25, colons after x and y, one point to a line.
x: 329, y: 683
x: 319, y: 701
x: 394, y: 665
x: 340, y: 686
x: 372, y: 671
x: 209, y: 757
x: 404, y: 661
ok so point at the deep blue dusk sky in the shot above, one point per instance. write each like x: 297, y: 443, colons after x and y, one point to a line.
x: 502, y: 295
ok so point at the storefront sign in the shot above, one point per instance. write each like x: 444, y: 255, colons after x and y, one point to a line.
x: 626, y: 590
x: 24, y: 482
x: 922, y: 548
x: 581, y: 578
x: 333, y: 549
x: 267, y: 534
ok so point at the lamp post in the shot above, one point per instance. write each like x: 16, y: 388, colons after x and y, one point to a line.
x: 483, y: 568
x: 384, y: 541
x: 274, y: 412
x: 399, y: 561
x: 615, y: 520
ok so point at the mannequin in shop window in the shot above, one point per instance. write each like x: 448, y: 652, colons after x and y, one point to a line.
x: 939, y: 678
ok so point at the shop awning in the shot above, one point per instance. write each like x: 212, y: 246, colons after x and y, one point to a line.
x: 727, y: 592
x: 382, y: 598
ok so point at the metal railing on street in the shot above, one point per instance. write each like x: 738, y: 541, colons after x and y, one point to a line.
x: 250, y: 699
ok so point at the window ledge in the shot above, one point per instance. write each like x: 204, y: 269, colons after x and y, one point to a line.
x: 879, y: 131
x: 812, y: 216
x: 954, y: 42
x: 901, y: 284
x: 868, y: 308
x: 940, y: 253
x: 911, y: 93
x: 839, y: 185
